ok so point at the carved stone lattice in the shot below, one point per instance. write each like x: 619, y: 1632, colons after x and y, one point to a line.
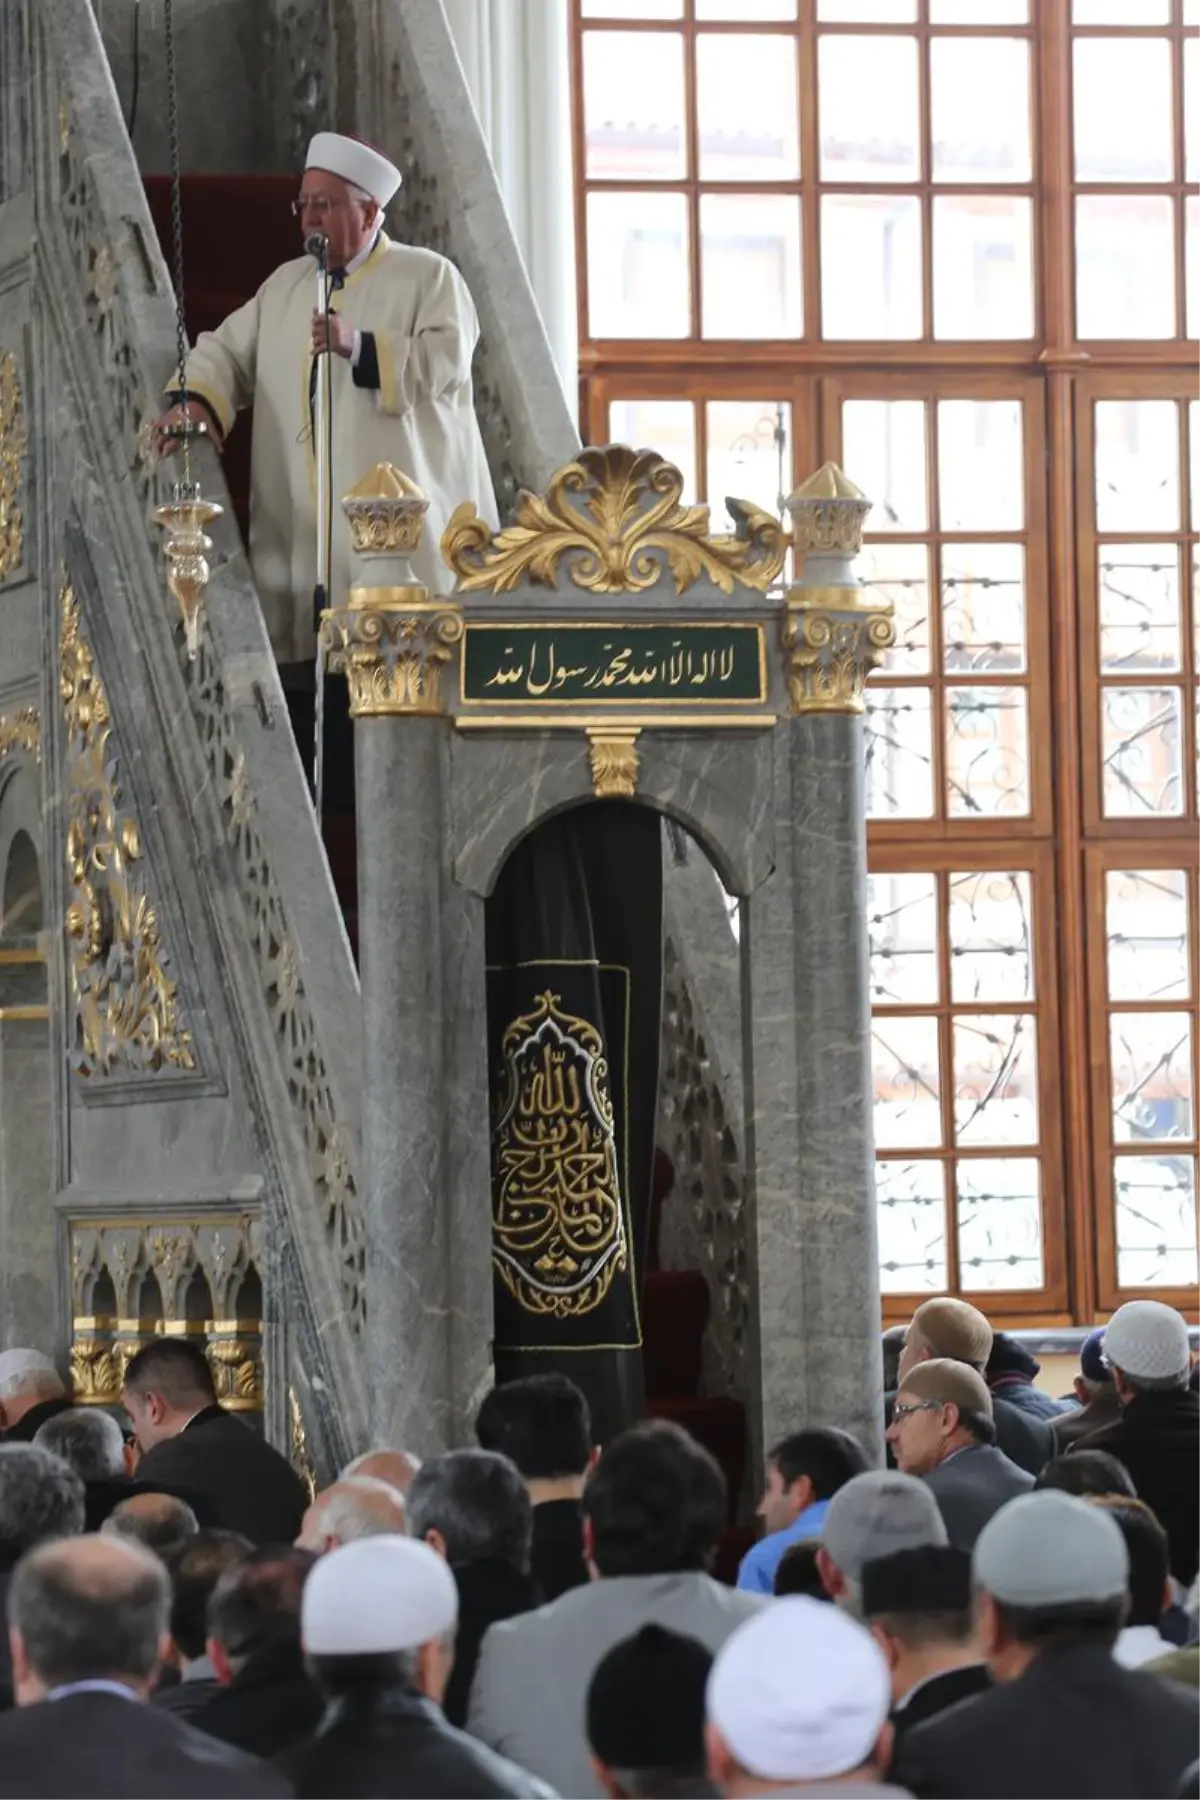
x: 21, y: 731
x: 125, y: 1016
x: 308, y: 1084
x: 703, y: 1221
x: 14, y: 443
x: 613, y: 521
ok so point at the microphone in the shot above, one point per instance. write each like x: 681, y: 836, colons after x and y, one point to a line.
x: 317, y: 244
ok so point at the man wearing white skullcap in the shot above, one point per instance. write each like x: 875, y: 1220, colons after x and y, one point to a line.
x: 1051, y: 1577
x: 377, y: 1626
x: 31, y: 1391
x: 400, y: 339
x: 797, y: 1703
x: 1157, y: 1436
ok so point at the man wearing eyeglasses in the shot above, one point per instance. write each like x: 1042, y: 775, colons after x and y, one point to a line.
x: 942, y: 1430
x: 400, y: 335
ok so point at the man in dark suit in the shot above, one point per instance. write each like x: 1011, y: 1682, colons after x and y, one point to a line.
x: 266, y: 1701
x: 90, y: 1441
x: 31, y: 1391
x: 543, y: 1424
x: 942, y: 1430
x: 195, y: 1570
x: 917, y: 1604
x: 88, y: 1619
x: 190, y: 1442
x: 1051, y: 1575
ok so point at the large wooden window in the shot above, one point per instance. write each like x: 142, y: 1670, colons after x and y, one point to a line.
x: 955, y: 244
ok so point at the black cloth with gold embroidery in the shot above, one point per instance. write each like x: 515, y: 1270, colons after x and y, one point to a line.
x: 574, y: 951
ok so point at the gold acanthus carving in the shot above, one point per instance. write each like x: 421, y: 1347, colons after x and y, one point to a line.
x: 612, y: 519
x: 392, y: 653
x: 614, y: 762
x: 386, y: 512
x: 236, y: 1363
x: 22, y: 732
x: 14, y: 441
x: 302, y: 1460
x: 125, y: 1011
x: 831, y: 642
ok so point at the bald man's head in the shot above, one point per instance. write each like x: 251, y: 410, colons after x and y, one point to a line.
x: 396, y: 1467
x: 159, y: 1521
x: 87, y: 1609
x: 355, y: 1507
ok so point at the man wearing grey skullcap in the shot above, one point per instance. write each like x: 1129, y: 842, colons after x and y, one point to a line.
x: 945, y: 1327
x: 1051, y: 1575
x: 942, y: 1430
x: 1157, y: 1436
x: 874, y: 1514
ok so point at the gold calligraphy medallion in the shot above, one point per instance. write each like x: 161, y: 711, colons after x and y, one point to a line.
x: 558, y: 1229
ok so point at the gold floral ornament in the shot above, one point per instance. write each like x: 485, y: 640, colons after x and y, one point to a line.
x: 21, y: 732
x: 558, y: 1227
x: 614, y: 760
x: 613, y: 518
x: 14, y: 442
x: 125, y: 1014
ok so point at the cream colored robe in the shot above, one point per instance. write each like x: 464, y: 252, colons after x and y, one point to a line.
x: 421, y: 417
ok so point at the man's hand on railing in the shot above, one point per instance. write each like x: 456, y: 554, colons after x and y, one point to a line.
x: 164, y: 430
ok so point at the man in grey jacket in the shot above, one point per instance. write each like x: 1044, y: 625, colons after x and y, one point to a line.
x: 942, y: 1430
x: 797, y: 1704
x: 652, y: 1514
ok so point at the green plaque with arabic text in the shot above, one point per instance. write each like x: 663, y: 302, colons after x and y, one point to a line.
x: 585, y: 665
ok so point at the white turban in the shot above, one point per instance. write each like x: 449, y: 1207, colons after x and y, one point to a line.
x: 356, y: 163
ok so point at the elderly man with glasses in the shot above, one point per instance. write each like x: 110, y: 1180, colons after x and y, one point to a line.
x: 400, y: 334
x: 942, y: 1430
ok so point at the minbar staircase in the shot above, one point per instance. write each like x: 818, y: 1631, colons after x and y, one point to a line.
x: 237, y: 229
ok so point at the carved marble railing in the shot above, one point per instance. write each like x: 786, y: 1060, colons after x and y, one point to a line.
x: 107, y: 325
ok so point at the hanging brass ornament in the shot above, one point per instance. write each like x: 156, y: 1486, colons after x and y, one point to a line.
x: 185, y: 549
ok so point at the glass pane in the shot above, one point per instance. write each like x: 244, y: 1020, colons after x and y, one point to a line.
x: 869, y: 12
x: 1143, y: 752
x: 1191, y: 11
x: 983, y: 609
x: 1191, y: 108
x: 1139, y: 609
x: 995, y: 1078
x: 991, y: 937
x: 1123, y: 109
x: 982, y: 266
x: 1137, y: 465
x: 750, y: 266
x: 871, y: 276
x: 980, y: 465
x: 1147, y: 929
x: 1124, y: 266
x: 904, y: 1060
x: 1156, y: 1221
x: 867, y: 101
x: 883, y: 452
x: 1151, y: 1068
x: 1191, y: 266
x: 747, y: 109
x: 749, y: 455
x: 632, y: 9
x: 899, y: 573
x: 633, y: 108
x: 668, y: 426
x: 902, y: 929
x: 745, y: 9
x: 978, y: 12
x: 1121, y: 12
x: 899, y: 753
x: 638, y: 266
x: 999, y: 1224
x: 987, y: 752
x: 911, y: 1202
x: 980, y: 109
x: 1194, y: 468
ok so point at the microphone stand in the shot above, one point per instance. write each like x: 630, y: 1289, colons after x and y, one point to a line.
x: 317, y: 245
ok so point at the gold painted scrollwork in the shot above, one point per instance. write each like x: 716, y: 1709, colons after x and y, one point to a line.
x: 614, y: 762
x: 615, y: 515
x: 392, y: 654
x: 125, y: 1011
x: 301, y: 1456
x: 830, y: 647
x: 14, y: 441
x: 558, y: 1230
x: 23, y: 731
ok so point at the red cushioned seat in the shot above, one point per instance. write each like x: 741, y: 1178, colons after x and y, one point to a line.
x: 676, y: 1304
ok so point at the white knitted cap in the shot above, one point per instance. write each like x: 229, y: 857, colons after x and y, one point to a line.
x: 1148, y: 1340
x: 377, y: 1595
x: 1051, y: 1549
x: 18, y: 1366
x: 356, y: 163
x: 799, y: 1692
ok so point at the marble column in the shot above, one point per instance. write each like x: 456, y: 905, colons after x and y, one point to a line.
x: 808, y: 994
x: 393, y: 642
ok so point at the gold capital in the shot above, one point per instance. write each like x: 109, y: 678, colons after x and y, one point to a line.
x: 831, y: 641
x: 614, y: 759
x: 392, y: 644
